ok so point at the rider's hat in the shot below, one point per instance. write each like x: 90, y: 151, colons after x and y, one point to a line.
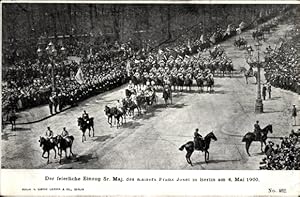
x: 294, y: 104
x: 257, y: 121
x: 48, y: 127
x: 64, y: 128
x: 197, y: 129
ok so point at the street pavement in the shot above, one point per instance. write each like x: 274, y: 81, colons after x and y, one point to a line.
x: 151, y: 141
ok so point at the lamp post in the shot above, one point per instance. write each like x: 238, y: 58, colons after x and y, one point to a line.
x: 258, y: 103
x: 51, y: 55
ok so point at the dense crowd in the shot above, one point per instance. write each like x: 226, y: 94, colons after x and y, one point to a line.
x: 283, y: 65
x: 106, y: 66
x: 283, y: 156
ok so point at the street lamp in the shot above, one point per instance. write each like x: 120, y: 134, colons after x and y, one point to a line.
x: 258, y: 104
x: 51, y: 54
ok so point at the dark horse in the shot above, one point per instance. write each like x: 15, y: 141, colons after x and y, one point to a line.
x: 84, y: 125
x: 200, y: 82
x: 129, y: 106
x: 47, y: 145
x: 113, y: 112
x: 250, y: 137
x: 258, y: 35
x: 210, y: 84
x: 63, y: 143
x: 204, y: 146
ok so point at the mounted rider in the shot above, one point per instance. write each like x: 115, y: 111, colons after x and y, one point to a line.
x: 119, y: 106
x: 64, y: 133
x: 49, y: 134
x: 257, y: 130
x: 198, y: 139
x: 85, y: 117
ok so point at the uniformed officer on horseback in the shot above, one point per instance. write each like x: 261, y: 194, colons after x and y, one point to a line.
x: 64, y: 133
x: 85, y: 116
x: 257, y: 130
x: 197, y: 139
x: 49, y: 134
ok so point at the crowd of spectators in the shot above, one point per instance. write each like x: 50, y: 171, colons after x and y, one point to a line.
x: 282, y: 67
x: 283, y: 156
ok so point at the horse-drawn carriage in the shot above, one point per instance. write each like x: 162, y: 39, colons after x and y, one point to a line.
x: 258, y: 35
x: 241, y: 42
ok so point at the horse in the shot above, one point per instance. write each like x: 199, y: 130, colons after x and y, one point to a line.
x: 209, y: 83
x: 63, y: 143
x: 128, y: 92
x: 12, y: 117
x: 167, y: 95
x: 200, y: 83
x: 130, y: 106
x: 47, y: 145
x: 180, y: 83
x: 240, y: 42
x: 250, y: 137
x: 84, y: 125
x: 173, y: 82
x: 204, y: 146
x: 111, y: 112
x: 141, y: 101
x: 258, y: 35
x: 188, y: 82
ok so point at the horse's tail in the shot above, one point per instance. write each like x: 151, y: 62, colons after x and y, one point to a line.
x: 244, y: 139
x: 182, y: 147
x: 248, y: 136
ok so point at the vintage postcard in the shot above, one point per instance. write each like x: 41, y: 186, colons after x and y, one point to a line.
x: 150, y: 98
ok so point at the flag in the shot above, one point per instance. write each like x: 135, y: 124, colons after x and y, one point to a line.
x: 212, y: 38
x: 128, y: 68
x: 202, y: 38
x: 79, y: 76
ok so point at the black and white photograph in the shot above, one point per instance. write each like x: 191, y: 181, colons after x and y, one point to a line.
x: 150, y: 86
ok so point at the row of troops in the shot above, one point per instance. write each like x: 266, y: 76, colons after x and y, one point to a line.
x: 195, y: 68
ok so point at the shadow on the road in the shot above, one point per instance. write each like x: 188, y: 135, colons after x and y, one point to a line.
x: 237, y: 76
x: 131, y: 125
x: 219, y: 92
x: 81, y: 159
x: 102, y: 138
x: 275, y: 98
x: 215, y: 161
x: 84, y: 158
x: 161, y: 106
x: 257, y: 154
x: 22, y: 129
x: 269, y: 112
x: 5, y: 136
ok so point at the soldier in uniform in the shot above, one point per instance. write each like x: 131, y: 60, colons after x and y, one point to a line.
x: 64, y: 133
x: 49, y: 134
x: 197, y: 139
x: 257, y: 130
x: 85, y: 116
